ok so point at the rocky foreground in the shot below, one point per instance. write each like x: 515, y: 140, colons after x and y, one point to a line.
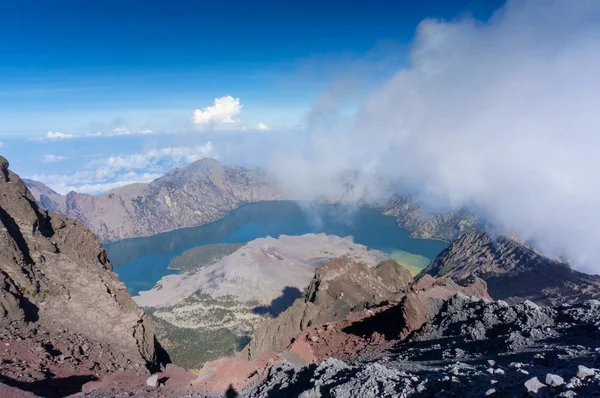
x: 472, y: 348
x: 65, y: 317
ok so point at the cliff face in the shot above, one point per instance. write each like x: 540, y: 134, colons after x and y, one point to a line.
x: 194, y: 195
x: 513, y: 272
x: 55, y: 276
x: 445, y: 226
x: 336, y: 289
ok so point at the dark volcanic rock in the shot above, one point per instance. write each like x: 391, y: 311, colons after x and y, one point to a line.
x: 513, y: 272
x: 472, y: 348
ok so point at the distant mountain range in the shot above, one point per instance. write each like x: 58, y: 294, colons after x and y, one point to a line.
x: 205, y: 191
x: 194, y: 195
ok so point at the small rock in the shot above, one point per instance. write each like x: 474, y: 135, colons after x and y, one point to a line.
x: 314, y: 339
x: 554, y: 380
x: 499, y: 371
x: 584, y: 372
x: 491, y: 362
x: 567, y: 394
x: 491, y: 391
x: 152, y: 381
x: 533, y: 385
x: 523, y: 371
x: 494, y: 382
x: 490, y: 371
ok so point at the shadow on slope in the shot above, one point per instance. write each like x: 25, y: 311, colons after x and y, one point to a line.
x: 53, y: 387
x: 281, y: 303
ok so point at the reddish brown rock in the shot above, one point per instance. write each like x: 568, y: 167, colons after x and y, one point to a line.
x: 63, y: 312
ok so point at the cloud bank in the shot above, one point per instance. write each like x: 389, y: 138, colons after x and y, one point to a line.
x: 101, y: 175
x: 500, y: 116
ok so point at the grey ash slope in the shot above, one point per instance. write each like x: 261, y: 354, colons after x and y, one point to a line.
x: 194, y: 195
x: 513, y: 271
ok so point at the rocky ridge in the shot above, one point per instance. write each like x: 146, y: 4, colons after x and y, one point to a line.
x: 337, y: 288
x: 464, y: 351
x: 513, y: 271
x: 194, y: 195
x: 59, y: 299
x: 445, y: 226
x: 205, y: 191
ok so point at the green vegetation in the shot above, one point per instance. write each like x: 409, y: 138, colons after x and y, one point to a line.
x: 203, y: 328
x: 202, y: 256
x: 191, y: 348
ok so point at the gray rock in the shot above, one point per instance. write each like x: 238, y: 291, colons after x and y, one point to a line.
x: 533, y: 385
x: 152, y: 381
x: 489, y: 392
x: 554, y: 380
x: 584, y: 372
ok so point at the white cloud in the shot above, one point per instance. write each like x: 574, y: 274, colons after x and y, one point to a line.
x: 1, y: 144
x: 500, y: 116
x: 120, y: 131
x: 57, y: 136
x: 52, y: 158
x: 171, y: 156
x: 262, y: 127
x: 53, y: 136
x: 222, y: 112
x: 101, y: 175
x: 83, y: 183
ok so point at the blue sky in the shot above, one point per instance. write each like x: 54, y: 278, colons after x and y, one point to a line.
x: 97, y: 94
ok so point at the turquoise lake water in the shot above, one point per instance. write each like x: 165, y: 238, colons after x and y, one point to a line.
x: 141, y: 262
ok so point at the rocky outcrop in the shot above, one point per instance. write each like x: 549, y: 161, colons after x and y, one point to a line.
x: 547, y: 352
x: 56, y: 281
x: 337, y: 288
x: 445, y: 226
x: 363, y: 331
x: 513, y: 271
x: 194, y: 195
